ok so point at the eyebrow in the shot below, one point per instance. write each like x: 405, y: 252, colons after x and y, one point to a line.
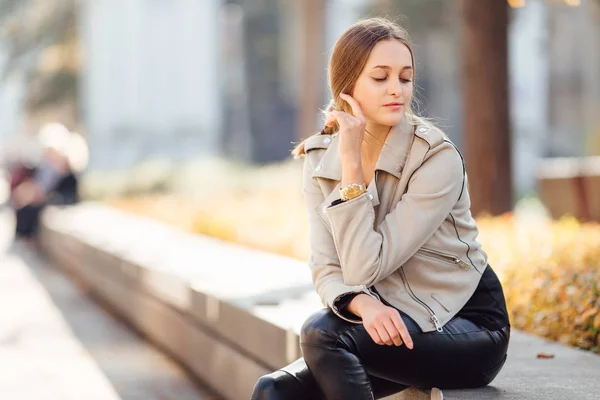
x: 387, y: 67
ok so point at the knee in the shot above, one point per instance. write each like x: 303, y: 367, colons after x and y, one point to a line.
x: 272, y: 387
x: 320, y: 328
x: 264, y: 388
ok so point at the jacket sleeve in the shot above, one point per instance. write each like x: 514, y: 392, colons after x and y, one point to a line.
x: 367, y: 255
x: 323, y: 260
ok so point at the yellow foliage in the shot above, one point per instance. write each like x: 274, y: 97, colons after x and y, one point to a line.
x: 550, y: 270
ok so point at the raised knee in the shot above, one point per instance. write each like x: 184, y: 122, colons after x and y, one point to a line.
x: 273, y: 386
x: 264, y: 388
x: 319, y: 328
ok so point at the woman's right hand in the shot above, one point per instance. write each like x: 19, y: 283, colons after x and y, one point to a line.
x: 383, y: 323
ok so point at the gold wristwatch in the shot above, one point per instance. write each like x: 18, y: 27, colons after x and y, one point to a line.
x: 351, y: 191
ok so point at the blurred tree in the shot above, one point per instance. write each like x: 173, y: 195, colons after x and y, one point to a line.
x: 40, y: 40
x: 486, y: 111
x: 271, y: 117
x: 312, y: 23
x: 426, y: 13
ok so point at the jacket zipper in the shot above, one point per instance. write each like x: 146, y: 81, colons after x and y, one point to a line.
x: 443, y: 257
x: 433, y: 317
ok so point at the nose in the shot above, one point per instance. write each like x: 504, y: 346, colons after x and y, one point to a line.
x: 394, y: 88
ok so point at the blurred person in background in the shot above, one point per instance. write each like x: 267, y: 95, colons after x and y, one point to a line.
x: 53, y: 180
x: 21, y: 158
x: 4, y: 176
x: 411, y: 300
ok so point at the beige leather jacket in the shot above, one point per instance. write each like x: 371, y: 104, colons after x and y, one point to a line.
x: 411, y: 236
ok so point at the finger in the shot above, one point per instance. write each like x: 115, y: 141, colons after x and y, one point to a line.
x: 384, y: 335
x: 399, y: 324
x: 374, y: 335
x: 343, y: 119
x: 393, y: 332
x: 356, y: 110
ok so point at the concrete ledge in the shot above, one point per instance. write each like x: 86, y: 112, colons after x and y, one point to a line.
x: 231, y: 314
x: 205, y: 326
x: 571, y: 186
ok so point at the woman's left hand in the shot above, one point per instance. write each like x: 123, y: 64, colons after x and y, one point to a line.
x: 352, y: 129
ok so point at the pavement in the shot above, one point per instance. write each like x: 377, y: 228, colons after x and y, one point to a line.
x: 56, y: 342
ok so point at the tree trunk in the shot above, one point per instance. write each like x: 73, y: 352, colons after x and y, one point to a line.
x: 312, y: 25
x: 486, y: 108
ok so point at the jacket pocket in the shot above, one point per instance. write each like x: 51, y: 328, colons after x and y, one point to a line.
x: 441, y: 303
x: 448, y: 258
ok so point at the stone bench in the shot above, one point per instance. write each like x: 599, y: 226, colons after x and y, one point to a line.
x: 231, y: 314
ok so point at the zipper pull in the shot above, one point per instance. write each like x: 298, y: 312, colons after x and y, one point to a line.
x: 436, y: 322
x: 463, y: 264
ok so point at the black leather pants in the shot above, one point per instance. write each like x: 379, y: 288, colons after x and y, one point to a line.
x: 341, y: 361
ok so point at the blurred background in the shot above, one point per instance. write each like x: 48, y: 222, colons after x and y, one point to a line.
x: 185, y: 111
x: 180, y: 81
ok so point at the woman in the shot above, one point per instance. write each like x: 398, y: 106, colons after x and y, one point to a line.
x: 411, y: 300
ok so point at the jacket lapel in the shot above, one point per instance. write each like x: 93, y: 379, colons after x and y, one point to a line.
x: 396, y: 148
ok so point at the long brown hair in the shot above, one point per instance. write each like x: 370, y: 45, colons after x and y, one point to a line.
x: 349, y: 56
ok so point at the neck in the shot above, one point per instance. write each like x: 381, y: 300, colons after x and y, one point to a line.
x: 374, y: 136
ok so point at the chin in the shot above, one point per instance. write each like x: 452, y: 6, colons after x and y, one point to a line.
x: 390, y: 120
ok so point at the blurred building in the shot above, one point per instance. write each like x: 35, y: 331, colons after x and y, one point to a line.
x: 11, y: 99
x: 151, y: 81
x: 573, y: 64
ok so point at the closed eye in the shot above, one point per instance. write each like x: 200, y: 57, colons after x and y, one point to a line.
x: 403, y: 80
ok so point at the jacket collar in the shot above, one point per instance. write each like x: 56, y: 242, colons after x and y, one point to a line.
x: 391, y: 159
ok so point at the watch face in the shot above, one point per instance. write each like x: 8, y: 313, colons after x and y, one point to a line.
x: 354, y: 192
x: 351, y: 192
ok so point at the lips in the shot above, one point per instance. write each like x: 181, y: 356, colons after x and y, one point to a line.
x: 395, y: 104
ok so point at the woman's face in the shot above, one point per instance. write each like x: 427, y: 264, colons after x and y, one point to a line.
x: 385, y: 85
